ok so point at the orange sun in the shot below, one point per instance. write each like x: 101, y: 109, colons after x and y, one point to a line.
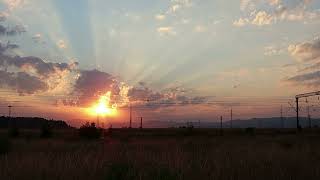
x: 102, y: 107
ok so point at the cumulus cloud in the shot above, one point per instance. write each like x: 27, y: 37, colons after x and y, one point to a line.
x: 277, y: 12
x: 29, y: 75
x: 93, y: 83
x: 241, y: 22
x: 262, y: 18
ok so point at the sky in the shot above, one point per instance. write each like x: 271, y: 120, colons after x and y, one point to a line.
x: 172, y: 60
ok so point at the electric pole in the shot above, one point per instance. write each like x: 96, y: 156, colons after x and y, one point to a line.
x: 130, y: 126
x: 282, y: 121
x: 141, y: 122
x: 9, y: 110
x: 308, y: 111
x: 221, y: 125
x: 231, y: 118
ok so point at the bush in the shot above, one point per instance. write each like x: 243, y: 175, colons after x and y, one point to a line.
x: 46, y: 131
x: 90, y: 131
x: 4, y: 145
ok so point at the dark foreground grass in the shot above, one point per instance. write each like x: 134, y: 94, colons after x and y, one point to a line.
x: 259, y: 157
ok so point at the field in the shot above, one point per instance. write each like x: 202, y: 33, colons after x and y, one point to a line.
x: 164, y: 154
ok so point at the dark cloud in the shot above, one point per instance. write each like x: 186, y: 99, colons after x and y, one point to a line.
x: 93, y: 83
x: 28, y: 75
x: 22, y: 82
x: 16, y: 30
x: 308, y: 79
x: 41, y: 67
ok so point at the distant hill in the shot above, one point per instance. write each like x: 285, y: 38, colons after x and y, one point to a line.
x: 31, y: 123
x: 273, y: 122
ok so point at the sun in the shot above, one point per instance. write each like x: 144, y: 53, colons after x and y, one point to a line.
x: 103, y: 107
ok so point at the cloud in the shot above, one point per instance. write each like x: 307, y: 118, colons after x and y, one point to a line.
x: 29, y: 75
x: 93, y: 83
x: 309, y: 79
x: 160, y: 17
x: 22, y: 82
x: 200, y: 29
x: 262, y: 18
x: 274, y: 2
x: 306, y: 51
x: 308, y: 55
x: 18, y: 29
x: 241, y: 22
x: 37, y: 38
x: 247, y: 4
x: 12, y: 4
x: 277, y: 11
x: 3, y: 16
x: 168, y: 30
x: 272, y: 51
x: 62, y: 44
x: 176, y: 5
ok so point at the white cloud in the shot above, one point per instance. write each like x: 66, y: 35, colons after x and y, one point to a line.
x: 160, y: 17
x: 176, y: 5
x: 12, y: 4
x: 61, y: 44
x: 277, y: 12
x: 262, y: 18
x: 305, y: 51
x: 274, y: 2
x: 241, y: 22
x: 247, y: 4
x: 272, y: 51
x: 200, y: 28
x: 168, y: 30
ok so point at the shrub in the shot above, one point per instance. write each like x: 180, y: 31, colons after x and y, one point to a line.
x: 4, y: 145
x: 89, y: 131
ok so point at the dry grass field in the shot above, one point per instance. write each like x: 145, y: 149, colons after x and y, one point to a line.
x: 163, y: 155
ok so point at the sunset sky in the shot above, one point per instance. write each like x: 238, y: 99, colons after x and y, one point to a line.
x: 174, y: 60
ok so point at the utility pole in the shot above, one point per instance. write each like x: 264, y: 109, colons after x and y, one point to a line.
x: 130, y: 126
x: 317, y: 93
x: 9, y: 110
x: 231, y: 118
x: 141, y: 122
x: 297, y: 109
x: 308, y: 111
x: 282, y: 121
x: 221, y: 125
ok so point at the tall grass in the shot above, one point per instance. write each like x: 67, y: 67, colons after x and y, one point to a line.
x: 161, y: 158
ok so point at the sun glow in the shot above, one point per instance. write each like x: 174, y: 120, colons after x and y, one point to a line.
x: 103, y: 107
